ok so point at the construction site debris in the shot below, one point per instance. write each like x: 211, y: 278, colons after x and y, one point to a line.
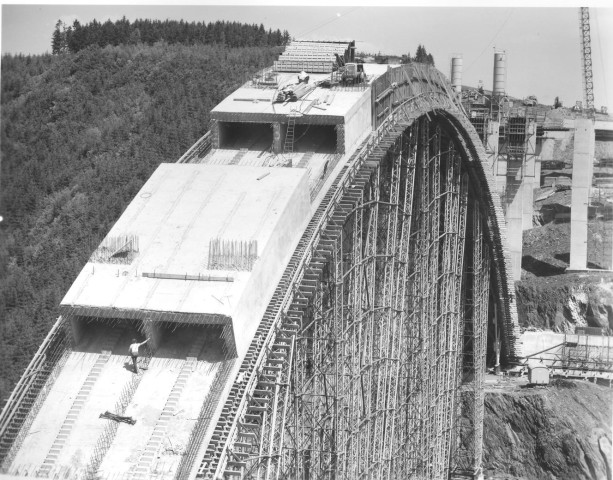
x: 292, y: 93
x: 199, y: 277
x: 254, y: 100
x: 118, y: 418
x: 530, y: 101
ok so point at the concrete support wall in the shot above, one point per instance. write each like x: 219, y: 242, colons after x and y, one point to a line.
x: 340, y: 139
x: 214, y: 129
x: 271, y: 263
x: 153, y: 332
x: 77, y: 329
x: 357, y: 122
x: 583, y: 160
x: 277, y: 138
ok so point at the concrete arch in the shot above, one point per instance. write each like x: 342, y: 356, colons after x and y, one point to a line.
x: 334, y: 296
x: 401, y: 99
x: 427, y: 92
x: 484, y: 180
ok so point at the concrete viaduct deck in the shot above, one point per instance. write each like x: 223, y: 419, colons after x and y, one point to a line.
x: 334, y: 317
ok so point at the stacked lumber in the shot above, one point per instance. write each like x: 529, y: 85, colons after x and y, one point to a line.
x: 312, y: 57
x: 292, y: 93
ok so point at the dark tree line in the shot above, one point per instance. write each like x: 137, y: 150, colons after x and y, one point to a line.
x: 421, y: 56
x: 80, y: 134
x: 76, y: 37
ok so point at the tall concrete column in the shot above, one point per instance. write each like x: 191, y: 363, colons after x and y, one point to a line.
x: 583, y: 163
x: 515, y: 200
x: 528, y: 177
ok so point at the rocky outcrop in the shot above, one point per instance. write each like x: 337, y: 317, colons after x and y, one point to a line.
x: 548, y: 304
x: 559, y: 432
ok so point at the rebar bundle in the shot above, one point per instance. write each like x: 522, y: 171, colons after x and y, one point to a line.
x: 120, y: 249
x: 232, y: 254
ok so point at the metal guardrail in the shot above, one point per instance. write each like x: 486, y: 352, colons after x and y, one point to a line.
x: 30, y: 384
x: 198, y: 149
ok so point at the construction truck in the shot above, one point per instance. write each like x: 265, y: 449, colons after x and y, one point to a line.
x: 350, y: 73
x: 531, y: 101
x: 353, y: 73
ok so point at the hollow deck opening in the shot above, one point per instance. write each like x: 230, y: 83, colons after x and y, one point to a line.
x: 237, y: 135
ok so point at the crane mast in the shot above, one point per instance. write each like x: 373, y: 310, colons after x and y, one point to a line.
x: 586, y: 58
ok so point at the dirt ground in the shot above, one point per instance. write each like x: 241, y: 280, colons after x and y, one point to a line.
x: 561, y: 431
x: 546, y: 249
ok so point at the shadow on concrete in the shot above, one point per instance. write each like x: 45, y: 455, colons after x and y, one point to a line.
x: 128, y: 366
x: 563, y: 257
x: 540, y: 268
x: 173, y: 340
x: 176, y: 341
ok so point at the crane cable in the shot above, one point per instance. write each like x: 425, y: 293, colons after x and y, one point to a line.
x: 327, y: 22
x: 492, y: 40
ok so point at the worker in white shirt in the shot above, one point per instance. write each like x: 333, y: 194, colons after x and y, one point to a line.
x: 134, y: 352
x: 303, y: 77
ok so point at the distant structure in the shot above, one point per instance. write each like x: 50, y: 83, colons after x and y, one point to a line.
x: 517, y: 135
x: 456, y: 73
x: 508, y: 130
x: 500, y: 74
x: 586, y: 58
x: 316, y: 275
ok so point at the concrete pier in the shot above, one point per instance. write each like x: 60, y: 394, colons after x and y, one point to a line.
x: 583, y: 161
x: 529, y: 178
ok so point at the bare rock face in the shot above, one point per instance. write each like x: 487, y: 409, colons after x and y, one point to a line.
x: 548, y: 304
x: 600, y: 306
x: 561, y: 432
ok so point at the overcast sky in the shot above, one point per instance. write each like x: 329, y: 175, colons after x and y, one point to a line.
x: 542, y: 44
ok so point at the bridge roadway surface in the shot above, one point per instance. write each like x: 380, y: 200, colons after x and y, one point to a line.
x: 146, y: 405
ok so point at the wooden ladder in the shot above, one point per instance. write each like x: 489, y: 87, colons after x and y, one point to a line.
x: 288, y: 145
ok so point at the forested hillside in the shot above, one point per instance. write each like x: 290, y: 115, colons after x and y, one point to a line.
x: 75, y: 37
x: 81, y: 133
